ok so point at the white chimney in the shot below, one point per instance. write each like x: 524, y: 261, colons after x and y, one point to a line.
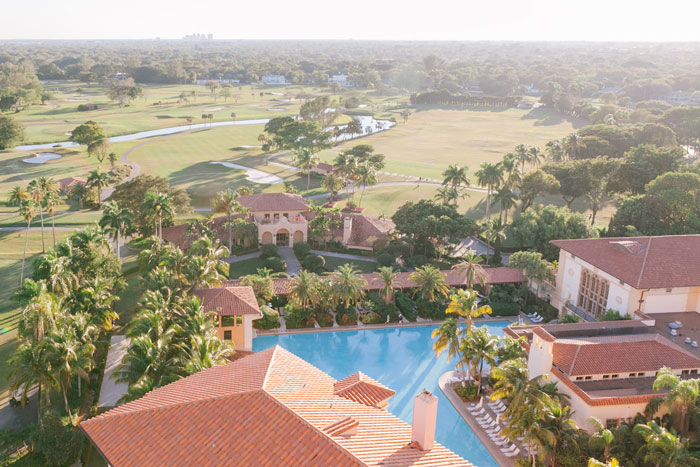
x: 424, y: 420
x: 347, y: 230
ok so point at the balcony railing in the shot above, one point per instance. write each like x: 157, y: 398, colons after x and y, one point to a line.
x: 580, y: 312
x: 282, y: 220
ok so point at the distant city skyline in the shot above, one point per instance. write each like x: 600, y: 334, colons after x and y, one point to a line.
x: 539, y: 20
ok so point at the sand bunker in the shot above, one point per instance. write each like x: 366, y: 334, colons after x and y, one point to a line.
x: 253, y: 175
x: 42, y: 157
x: 275, y: 109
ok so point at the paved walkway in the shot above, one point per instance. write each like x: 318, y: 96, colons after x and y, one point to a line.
x: 112, y: 391
x: 344, y: 256
x: 461, y: 407
x: 293, y: 264
x: 235, y: 259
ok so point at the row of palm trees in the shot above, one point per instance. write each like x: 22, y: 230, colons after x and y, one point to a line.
x: 171, y: 335
x: 67, y: 308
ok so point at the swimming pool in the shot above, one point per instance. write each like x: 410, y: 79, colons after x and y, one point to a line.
x: 400, y: 358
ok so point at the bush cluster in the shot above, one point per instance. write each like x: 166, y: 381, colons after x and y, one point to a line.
x: 297, y: 318
x: 314, y: 263
x: 324, y: 319
x: 406, y: 305
x: 270, y: 319
x: 269, y: 251
x: 345, y: 316
x: 275, y: 264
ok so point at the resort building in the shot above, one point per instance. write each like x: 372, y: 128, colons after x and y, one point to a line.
x: 236, y: 308
x: 342, y: 80
x: 632, y: 275
x: 269, y: 409
x: 606, y: 368
x: 273, y: 79
x: 323, y: 168
x: 67, y: 184
x: 282, y: 219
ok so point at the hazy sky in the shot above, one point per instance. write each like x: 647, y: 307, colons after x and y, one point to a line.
x: 607, y: 20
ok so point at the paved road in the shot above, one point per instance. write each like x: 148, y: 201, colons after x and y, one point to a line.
x: 16, y: 418
x: 344, y: 256
x: 293, y: 264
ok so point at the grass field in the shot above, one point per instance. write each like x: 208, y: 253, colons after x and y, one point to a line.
x: 333, y: 263
x: 434, y: 138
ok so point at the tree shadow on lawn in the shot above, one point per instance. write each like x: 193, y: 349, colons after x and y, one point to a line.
x: 478, y: 211
x: 550, y: 117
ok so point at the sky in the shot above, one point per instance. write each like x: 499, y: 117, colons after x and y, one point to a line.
x: 536, y: 20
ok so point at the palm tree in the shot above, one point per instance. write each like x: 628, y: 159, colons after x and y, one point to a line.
x: 479, y: 347
x: 98, y: 180
x: 448, y: 337
x: 28, y: 368
x: 494, y: 233
x: 388, y: 279
x: 455, y: 176
x: 507, y: 199
x: 61, y: 279
x: 80, y: 193
x: 536, y: 155
x: 602, y: 437
x: 205, y: 351
x: 446, y: 194
x: 227, y: 202
x: 365, y: 174
x: 489, y: 175
x: 303, y: 290
x: 663, y: 448
x: 36, y: 193
x: 203, y: 271
x: 511, y: 172
x: 307, y: 160
x: 347, y: 286
x: 682, y: 394
x: 51, y: 198
x: 67, y: 358
x: 430, y: 281
x: 465, y: 303
x: 39, y: 316
x: 116, y: 221
x: 27, y: 210
x: 159, y: 205
x: 571, y: 145
x: 17, y: 196
x: 555, y: 151
x: 522, y: 155
x: 332, y: 183
x: 558, y: 429
x: 470, y: 266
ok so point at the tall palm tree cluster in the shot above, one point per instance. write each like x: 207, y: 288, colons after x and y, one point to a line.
x: 358, y: 165
x: 171, y: 335
x: 68, y: 307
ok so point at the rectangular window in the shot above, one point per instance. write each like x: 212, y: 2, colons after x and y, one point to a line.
x: 606, y: 376
x: 632, y: 375
x: 685, y: 372
x: 227, y: 335
x: 277, y: 217
x: 593, y: 293
x: 267, y: 217
x: 640, y: 374
x: 694, y: 372
x: 615, y: 376
x: 669, y: 290
x: 228, y: 321
x: 579, y: 378
x: 588, y: 377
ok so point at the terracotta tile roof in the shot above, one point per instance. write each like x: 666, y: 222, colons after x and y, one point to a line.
x: 325, y: 166
x: 361, y: 388
x: 227, y: 301
x: 269, y: 409
x: 602, y: 401
x: 620, y: 354
x: 274, y: 202
x: 178, y: 236
x: 282, y: 286
x: 544, y: 334
x: 65, y: 184
x: 642, y: 262
x: 367, y: 229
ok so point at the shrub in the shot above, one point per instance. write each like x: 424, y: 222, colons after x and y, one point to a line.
x: 301, y: 249
x: 431, y: 309
x: 345, y: 316
x: 406, y: 305
x: 324, y: 319
x: 501, y: 308
x: 57, y: 442
x: 466, y: 393
x: 86, y: 107
x: 278, y: 301
x: 612, y: 315
x: 269, y: 251
x: 417, y: 261
x: 299, y: 318
x: 313, y: 263
x: 569, y: 318
x: 275, y: 264
x: 270, y: 319
x: 372, y: 318
x: 385, y: 259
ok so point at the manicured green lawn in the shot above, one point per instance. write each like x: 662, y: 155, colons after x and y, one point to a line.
x: 333, y: 263
x: 434, y: 138
x: 245, y: 267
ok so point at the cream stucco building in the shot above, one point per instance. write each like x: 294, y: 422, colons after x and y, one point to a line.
x: 236, y: 308
x: 636, y: 274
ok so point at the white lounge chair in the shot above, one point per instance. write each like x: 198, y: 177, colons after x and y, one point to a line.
x: 512, y: 454
x: 510, y: 449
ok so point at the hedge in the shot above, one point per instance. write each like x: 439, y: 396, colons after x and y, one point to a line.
x: 270, y: 319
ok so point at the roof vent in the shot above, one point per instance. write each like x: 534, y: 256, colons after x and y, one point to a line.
x: 346, y: 426
x: 628, y: 246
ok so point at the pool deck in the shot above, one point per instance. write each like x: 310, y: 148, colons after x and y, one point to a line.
x: 461, y: 407
x: 359, y: 327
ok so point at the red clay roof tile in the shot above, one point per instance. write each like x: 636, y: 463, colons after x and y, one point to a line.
x: 227, y: 301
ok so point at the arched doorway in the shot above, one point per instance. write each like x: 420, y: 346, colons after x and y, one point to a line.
x: 298, y: 237
x: 282, y: 237
x: 267, y: 238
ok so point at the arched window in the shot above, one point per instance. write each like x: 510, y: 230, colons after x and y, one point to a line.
x: 593, y: 293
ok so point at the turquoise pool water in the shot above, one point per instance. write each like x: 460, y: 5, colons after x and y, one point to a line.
x: 401, y: 359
